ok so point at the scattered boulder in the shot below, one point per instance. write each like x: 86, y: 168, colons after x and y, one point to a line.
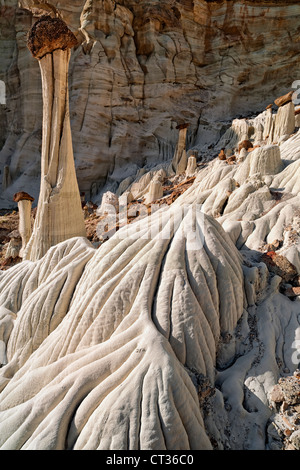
x: 109, y: 204
x: 274, y: 245
x: 284, y: 428
x: 245, y: 144
x: 292, y: 292
x: 295, y: 440
x: 276, y: 394
x: 281, y: 266
x: 290, y: 387
x: 222, y: 155
x: 231, y: 159
x: 282, y: 100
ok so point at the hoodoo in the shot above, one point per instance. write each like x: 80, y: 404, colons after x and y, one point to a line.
x: 173, y: 323
x: 179, y: 161
x: 59, y: 213
x: 24, y: 201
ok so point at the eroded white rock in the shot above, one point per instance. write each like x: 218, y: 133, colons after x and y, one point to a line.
x: 135, y: 320
x: 59, y: 215
x: 264, y: 160
x: 284, y: 121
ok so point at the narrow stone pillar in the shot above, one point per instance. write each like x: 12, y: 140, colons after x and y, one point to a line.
x: 269, y: 123
x: 284, y: 121
x: 6, y: 179
x: 24, y: 201
x: 191, y: 166
x: 59, y: 212
x: 179, y: 161
x: 155, y: 192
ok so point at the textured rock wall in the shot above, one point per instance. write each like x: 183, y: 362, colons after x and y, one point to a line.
x: 139, y: 70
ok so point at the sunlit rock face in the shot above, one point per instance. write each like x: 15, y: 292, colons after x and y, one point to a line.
x: 140, y: 69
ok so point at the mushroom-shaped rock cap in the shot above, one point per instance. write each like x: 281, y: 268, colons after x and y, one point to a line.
x: 184, y: 125
x: 21, y: 196
x: 49, y: 34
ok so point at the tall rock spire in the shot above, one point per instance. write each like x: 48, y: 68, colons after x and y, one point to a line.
x: 59, y: 214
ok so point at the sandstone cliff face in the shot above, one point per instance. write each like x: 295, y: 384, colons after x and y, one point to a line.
x: 142, y: 68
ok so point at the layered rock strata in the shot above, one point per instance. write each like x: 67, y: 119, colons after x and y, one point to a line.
x: 139, y: 69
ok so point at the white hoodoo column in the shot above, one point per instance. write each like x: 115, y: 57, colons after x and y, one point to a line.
x: 59, y: 213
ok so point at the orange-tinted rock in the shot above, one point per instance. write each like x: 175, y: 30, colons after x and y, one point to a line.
x: 272, y: 247
x: 49, y: 34
x: 21, y: 196
x: 296, y: 290
x: 222, y: 155
x: 281, y: 266
x: 277, y: 394
x: 245, y: 144
x: 182, y: 126
x: 231, y: 159
x: 282, y: 100
x: 253, y: 148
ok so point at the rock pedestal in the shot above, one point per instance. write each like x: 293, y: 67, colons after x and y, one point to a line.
x: 179, y: 161
x: 155, y: 192
x: 285, y: 121
x: 24, y: 201
x: 262, y: 160
x: 191, y: 166
x: 59, y: 213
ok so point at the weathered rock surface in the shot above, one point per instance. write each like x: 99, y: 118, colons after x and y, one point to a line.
x: 59, y: 214
x: 168, y: 307
x: 141, y: 68
x: 49, y: 34
x: 175, y: 331
x: 139, y: 347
